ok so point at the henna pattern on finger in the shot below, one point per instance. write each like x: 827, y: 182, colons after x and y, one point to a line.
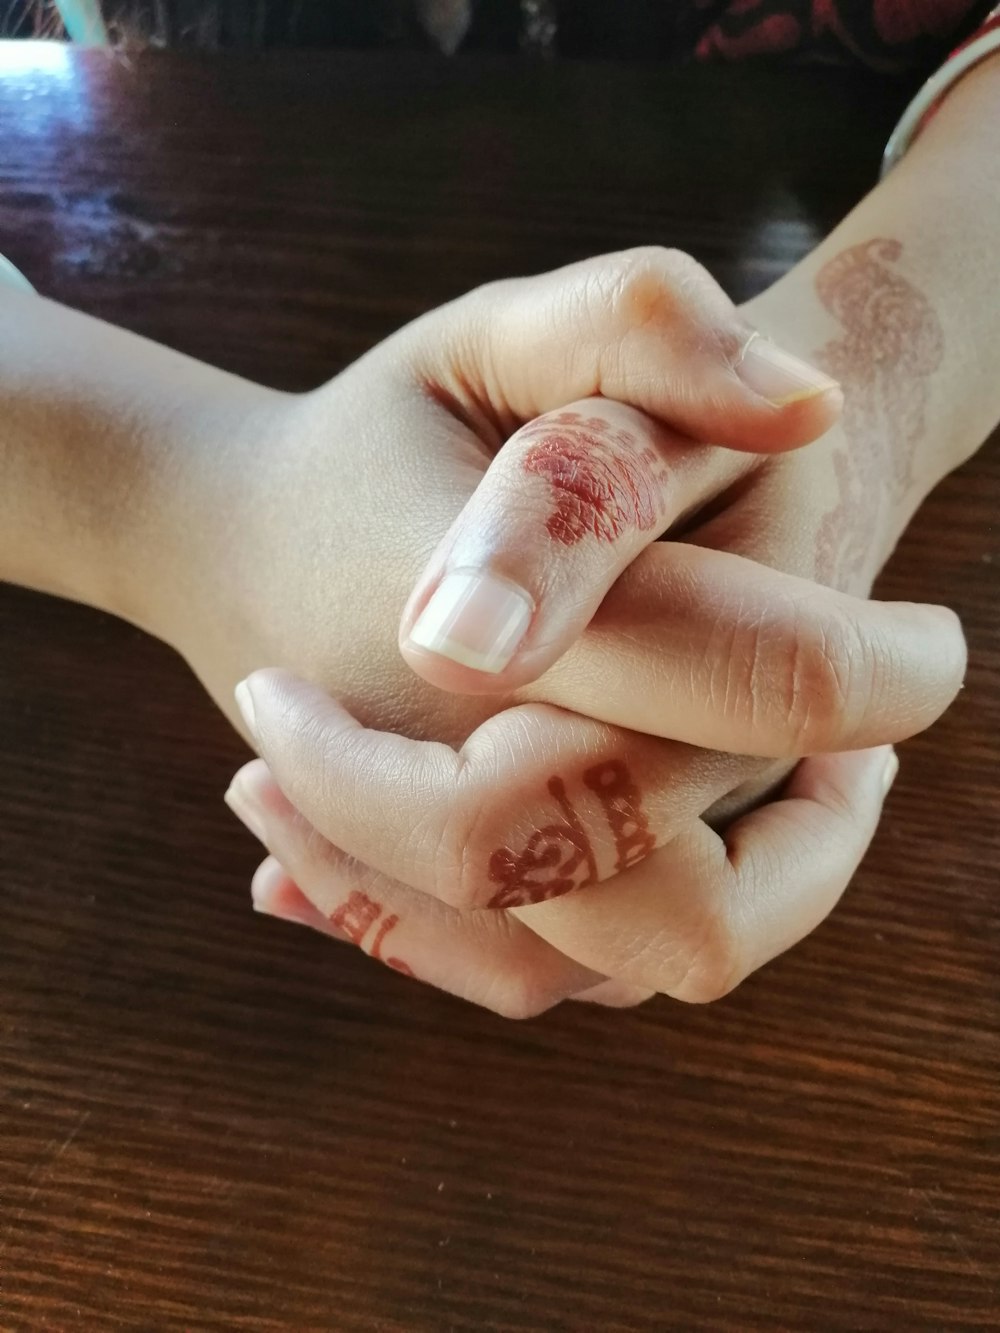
x: 602, y: 483
x: 622, y: 802
x: 396, y: 964
x: 891, y: 345
x: 560, y: 857
x: 355, y: 918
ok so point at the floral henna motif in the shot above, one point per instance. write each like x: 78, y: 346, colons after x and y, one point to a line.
x: 892, y: 343
x: 602, y: 483
x: 355, y: 918
x: 560, y: 857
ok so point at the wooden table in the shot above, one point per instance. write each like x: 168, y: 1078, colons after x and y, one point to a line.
x: 212, y: 1121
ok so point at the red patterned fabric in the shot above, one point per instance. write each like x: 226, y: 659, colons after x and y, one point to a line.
x: 886, y: 34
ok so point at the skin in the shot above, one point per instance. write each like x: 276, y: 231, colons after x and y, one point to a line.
x: 130, y: 472
x: 601, y: 484
x: 906, y: 324
x: 787, y: 861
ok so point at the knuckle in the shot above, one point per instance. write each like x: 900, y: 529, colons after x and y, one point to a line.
x: 520, y: 997
x: 464, y: 844
x: 695, y: 959
x: 710, y: 963
x: 489, y: 295
x: 444, y: 854
x: 312, y: 858
x: 825, y: 685
x: 471, y: 324
x: 645, y: 284
x: 651, y: 287
x: 513, y: 852
x: 631, y: 287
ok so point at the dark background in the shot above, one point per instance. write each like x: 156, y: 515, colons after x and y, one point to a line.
x: 660, y: 30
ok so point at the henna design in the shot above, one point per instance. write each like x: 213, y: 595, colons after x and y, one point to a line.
x: 383, y: 930
x: 622, y: 802
x: 561, y: 849
x: 560, y: 857
x: 396, y: 964
x: 892, y: 343
x: 355, y: 918
x: 602, y: 483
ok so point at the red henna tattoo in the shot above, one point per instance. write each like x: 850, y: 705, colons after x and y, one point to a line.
x: 622, y: 801
x: 383, y: 930
x: 560, y: 857
x: 396, y: 963
x: 892, y: 343
x: 602, y: 484
x: 550, y: 865
x: 355, y: 918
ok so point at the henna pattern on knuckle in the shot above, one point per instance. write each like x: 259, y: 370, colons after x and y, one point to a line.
x: 892, y: 343
x: 602, y: 483
x: 356, y: 916
x: 559, y: 857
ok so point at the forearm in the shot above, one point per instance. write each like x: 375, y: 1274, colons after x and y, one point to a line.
x: 104, y: 437
x: 912, y: 326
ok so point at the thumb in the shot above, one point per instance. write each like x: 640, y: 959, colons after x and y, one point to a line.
x: 566, y: 505
x: 648, y: 327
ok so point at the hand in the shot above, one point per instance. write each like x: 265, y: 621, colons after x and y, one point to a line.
x: 754, y: 522
x: 690, y: 921
x: 315, y: 514
x: 537, y: 805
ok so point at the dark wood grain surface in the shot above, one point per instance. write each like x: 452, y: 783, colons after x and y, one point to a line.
x: 212, y: 1121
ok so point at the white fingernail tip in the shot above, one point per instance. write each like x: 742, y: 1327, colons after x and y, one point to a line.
x: 475, y: 618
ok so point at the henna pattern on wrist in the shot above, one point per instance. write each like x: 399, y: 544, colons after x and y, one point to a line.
x: 602, y: 483
x: 892, y: 343
x: 356, y: 916
x: 559, y: 857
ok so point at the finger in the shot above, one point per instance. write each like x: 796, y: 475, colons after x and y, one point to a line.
x: 615, y: 994
x: 713, y: 649
x: 536, y: 803
x: 699, y: 916
x: 566, y: 505
x: 649, y: 327
x: 276, y: 894
x: 273, y: 892
x: 490, y: 959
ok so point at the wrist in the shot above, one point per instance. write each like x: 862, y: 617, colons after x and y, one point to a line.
x: 107, y: 442
x: 174, y: 537
x: 914, y: 259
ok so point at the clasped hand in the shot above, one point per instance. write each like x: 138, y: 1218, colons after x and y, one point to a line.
x: 565, y: 770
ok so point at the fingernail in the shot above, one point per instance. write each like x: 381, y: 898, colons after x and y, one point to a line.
x: 889, y: 772
x: 269, y: 881
x: 778, y: 376
x: 474, y: 618
x: 245, y: 808
x: 244, y: 702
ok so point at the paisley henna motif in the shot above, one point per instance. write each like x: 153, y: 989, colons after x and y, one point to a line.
x: 891, y: 345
